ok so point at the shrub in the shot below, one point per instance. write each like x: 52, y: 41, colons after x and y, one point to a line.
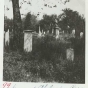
x: 48, y: 46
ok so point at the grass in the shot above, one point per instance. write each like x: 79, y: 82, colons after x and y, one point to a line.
x: 46, y: 63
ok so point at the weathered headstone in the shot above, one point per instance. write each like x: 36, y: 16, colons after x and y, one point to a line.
x: 73, y: 33
x: 70, y: 54
x: 28, y: 40
x: 57, y: 32
x: 7, y: 38
x: 81, y: 34
x: 44, y: 32
x: 56, y: 29
x: 39, y: 32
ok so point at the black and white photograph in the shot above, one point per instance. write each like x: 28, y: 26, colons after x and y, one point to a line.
x: 44, y: 41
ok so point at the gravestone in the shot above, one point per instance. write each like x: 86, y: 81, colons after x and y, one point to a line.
x: 7, y: 38
x: 44, y: 33
x: 81, y: 34
x: 28, y: 40
x: 39, y: 32
x: 57, y: 32
x: 73, y: 33
x: 70, y: 54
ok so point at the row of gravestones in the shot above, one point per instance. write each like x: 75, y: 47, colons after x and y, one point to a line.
x: 57, y: 33
x: 42, y: 33
x: 28, y: 42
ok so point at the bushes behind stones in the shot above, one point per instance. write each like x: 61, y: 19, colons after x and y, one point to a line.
x: 49, y: 48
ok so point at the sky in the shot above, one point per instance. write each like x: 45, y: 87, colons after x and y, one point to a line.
x: 40, y: 7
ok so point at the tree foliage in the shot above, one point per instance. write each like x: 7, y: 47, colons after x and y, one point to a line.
x: 8, y: 24
x: 17, y: 23
x: 30, y: 22
x: 48, y: 22
x: 73, y: 20
x: 27, y: 23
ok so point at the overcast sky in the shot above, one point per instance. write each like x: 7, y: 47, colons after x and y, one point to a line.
x: 39, y: 6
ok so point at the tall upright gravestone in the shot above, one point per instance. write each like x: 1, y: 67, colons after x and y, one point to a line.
x: 73, y: 33
x: 57, y: 32
x: 28, y: 40
x: 7, y: 38
x: 57, y: 29
x: 39, y: 32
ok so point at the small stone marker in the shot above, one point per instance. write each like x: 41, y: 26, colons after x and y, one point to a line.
x: 70, y: 54
x: 81, y: 34
x: 7, y: 38
x: 57, y: 32
x: 44, y: 32
x: 28, y: 40
x: 73, y: 33
x: 39, y: 32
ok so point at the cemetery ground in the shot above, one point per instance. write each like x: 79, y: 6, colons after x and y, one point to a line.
x: 47, y: 62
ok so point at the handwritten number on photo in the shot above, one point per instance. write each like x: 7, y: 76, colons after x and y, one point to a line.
x: 6, y: 85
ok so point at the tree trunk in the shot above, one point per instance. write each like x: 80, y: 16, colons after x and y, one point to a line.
x: 17, y: 26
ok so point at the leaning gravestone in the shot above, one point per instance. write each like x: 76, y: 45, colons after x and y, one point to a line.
x: 70, y: 54
x: 28, y: 40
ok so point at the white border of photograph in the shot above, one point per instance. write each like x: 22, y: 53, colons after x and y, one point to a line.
x: 38, y: 85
